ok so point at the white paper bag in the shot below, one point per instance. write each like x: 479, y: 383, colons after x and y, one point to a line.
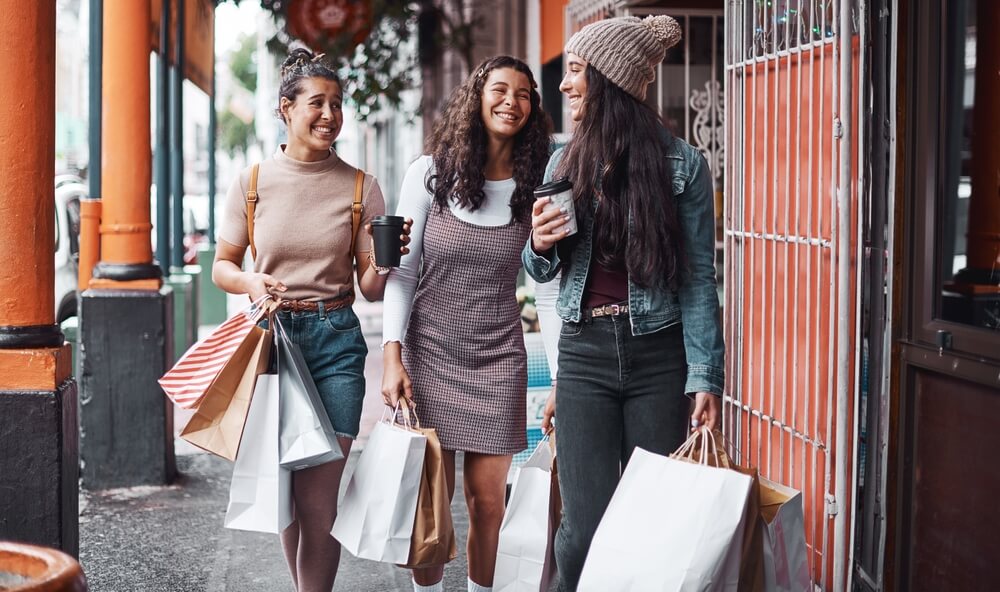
x: 260, y: 497
x: 524, y: 554
x: 786, y: 565
x: 306, y: 435
x: 375, y: 519
x: 670, y: 527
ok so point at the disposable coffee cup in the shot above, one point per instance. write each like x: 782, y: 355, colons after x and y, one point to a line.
x: 386, y: 231
x: 560, y: 194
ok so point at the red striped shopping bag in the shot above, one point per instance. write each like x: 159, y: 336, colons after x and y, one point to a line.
x: 189, y: 379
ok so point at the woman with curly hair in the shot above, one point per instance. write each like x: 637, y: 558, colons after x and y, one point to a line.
x: 452, y: 329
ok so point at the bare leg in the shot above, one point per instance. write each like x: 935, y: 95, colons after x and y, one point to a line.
x: 315, y: 493
x: 485, y: 486
x: 427, y: 576
x: 290, y: 545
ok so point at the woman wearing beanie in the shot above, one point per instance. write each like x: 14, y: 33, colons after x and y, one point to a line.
x: 638, y: 292
x: 451, y: 324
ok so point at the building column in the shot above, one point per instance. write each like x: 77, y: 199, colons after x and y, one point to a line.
x: 39, y: 455
x: 126, y: 314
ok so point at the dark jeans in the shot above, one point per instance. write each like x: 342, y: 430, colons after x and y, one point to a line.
x: 615, y: 391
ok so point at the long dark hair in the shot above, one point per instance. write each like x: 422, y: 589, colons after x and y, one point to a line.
x: 618, y: 149
x: 458, y: 145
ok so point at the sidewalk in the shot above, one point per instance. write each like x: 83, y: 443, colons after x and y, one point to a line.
x: 171, y: 539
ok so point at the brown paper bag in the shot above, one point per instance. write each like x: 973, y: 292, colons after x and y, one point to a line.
x: 217, y: 425
x: 433, y: 541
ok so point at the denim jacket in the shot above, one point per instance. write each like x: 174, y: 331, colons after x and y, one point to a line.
x: 695, y: 302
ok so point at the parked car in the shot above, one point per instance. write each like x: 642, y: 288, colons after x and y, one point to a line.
x: 67, y: 247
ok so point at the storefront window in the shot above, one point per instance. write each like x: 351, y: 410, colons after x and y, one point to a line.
x: 968, y: 242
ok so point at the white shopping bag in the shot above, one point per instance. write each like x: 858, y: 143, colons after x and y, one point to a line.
x: 671, y: 526
x: 306, y: 435
x: 375, y: 519
x: 525, y: 561
x: 786, y: 565
x: 260, y: 497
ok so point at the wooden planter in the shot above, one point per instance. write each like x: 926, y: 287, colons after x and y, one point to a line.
x: 25, y: 568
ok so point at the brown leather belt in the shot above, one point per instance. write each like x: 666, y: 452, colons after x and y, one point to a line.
x: 313, y: 305
x: 609, y: 310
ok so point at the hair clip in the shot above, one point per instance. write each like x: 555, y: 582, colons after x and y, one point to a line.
x: 318, y: 57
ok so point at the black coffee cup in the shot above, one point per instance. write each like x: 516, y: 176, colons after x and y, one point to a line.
x: 386, y: 231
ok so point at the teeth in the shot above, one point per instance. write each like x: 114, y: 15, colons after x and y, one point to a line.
x: 323, y: 130
x: 507, y: 116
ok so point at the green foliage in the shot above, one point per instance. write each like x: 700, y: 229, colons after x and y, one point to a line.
x: 376, y: 73
x: 235, y: 135
x: 243, y: 62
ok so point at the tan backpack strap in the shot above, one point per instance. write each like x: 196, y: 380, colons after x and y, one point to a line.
x: 359, y: 181
x: 251, y: 207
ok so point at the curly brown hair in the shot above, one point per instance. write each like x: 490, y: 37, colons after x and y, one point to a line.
x: 458, y: 145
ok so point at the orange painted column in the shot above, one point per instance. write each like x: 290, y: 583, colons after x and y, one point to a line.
x: 126, y: 249
x: 32, y: 350
x: 27, y: 164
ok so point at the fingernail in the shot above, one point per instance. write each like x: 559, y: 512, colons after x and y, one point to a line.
x: 564, y: 210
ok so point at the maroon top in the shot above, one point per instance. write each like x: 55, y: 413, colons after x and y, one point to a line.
x: 605, y: 286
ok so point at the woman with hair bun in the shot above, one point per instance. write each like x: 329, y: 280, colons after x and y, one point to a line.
x: 452, y: 328
x: 304, y: 257
x: 638, y: 296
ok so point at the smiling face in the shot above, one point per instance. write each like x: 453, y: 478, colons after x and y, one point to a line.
x: 506, y: 102
x: 574, y: 85
x: 314, y: 118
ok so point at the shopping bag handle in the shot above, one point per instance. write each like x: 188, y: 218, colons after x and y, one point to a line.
x: 258, y: 308
x: 708, y: 453
x: 395, y: 413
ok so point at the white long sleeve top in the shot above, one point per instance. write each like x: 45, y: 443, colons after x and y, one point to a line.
x: 416, y: 202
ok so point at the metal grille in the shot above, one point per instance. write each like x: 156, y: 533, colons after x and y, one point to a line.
x: 791, y: 289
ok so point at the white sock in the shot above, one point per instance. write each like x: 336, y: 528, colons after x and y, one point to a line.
x: 474, y: 587
x: 432, y: 588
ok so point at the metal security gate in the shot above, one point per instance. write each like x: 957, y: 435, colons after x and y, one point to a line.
x: 791, y: 228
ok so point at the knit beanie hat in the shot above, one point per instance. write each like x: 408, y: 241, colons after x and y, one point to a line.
x: 627, y: 49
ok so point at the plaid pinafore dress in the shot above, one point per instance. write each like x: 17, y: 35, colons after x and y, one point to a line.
x: 464, y: 349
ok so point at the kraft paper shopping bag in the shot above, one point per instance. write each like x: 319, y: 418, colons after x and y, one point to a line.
x: 217, y: 425
x: 433, y: 541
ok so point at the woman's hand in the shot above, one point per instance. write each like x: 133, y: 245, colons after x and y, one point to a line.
x: 260, y: 284
x: 395, y: 380
x: 546, y: 227
x: 550, y: 411
x: 706, y: 411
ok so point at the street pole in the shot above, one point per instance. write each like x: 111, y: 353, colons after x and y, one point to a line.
x: 213, y: 125
x: 39, y: 440
x: 163, y: 141
x: 177, y: 143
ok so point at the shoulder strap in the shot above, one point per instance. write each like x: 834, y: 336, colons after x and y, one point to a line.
x: 251, y: 206
x: 356, y: 207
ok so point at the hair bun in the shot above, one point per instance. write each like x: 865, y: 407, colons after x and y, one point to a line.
x: 666, y: 30
x: 297, y: 58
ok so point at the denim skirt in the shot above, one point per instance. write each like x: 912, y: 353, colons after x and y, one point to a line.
x: 334, y: 349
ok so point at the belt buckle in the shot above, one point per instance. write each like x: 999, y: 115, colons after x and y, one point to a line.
x: 615, y: 309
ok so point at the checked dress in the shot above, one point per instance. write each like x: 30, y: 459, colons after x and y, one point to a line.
x: 464, y: 349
